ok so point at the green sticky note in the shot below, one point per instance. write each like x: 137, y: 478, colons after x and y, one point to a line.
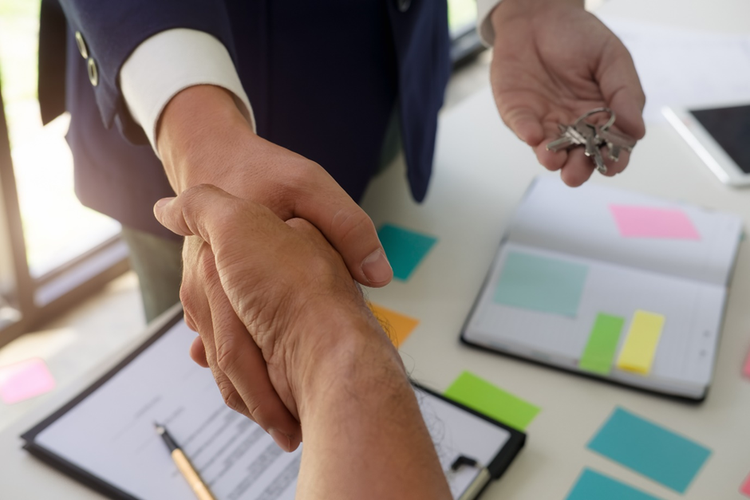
x: 404, y: 248
x: 592, y: 485
x: 482, y: 396
x: 650, y: 449
x: 602, y: 344
x: 541, y: 283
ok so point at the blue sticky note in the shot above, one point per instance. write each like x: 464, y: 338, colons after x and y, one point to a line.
x: 650, y: 449
x: 405, y: 249
x: 541, y: 283
x: 592, y: 485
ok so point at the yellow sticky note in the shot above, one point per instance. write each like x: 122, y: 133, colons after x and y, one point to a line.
x: 396, y: 325
x: 640, y: 345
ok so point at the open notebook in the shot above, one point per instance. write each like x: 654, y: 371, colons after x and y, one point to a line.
x: 105, y: 436
x: 610, y: 283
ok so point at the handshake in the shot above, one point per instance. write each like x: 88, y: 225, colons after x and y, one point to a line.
x: 293, y: 346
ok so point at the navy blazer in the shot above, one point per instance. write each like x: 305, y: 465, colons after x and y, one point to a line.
x: 323, y: 77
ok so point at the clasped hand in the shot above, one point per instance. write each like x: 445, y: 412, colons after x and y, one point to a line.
x: 267, y: 284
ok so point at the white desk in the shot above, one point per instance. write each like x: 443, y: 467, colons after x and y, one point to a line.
x: 481, y: 171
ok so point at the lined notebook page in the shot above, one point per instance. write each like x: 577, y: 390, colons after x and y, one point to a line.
x: 614, y: 225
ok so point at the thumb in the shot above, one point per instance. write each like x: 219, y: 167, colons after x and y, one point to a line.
x: 348, y: 229
x: 197, y: 211
x: 170, y: 216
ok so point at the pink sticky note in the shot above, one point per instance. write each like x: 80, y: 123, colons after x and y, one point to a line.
x: 745, y: 488
x: 25, y: 380
x: 746, y: 370
x: 646, y: 222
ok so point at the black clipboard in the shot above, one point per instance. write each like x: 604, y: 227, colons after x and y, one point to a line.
x: 497, y: 466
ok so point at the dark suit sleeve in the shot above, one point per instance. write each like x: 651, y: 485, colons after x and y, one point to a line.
x: 113, y: 29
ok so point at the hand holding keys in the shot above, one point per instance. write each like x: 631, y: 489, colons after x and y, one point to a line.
x: 593, y: 137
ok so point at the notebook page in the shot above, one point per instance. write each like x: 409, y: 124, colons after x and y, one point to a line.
x: 540, y: 329
x: 111, y: 432
x: 584, y: 222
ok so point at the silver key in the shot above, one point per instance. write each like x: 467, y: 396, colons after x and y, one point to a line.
x: 569, y: 137
x: 615, y: 141
x: 592, y: 144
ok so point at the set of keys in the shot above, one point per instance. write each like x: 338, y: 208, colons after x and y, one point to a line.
x: 593, y: 137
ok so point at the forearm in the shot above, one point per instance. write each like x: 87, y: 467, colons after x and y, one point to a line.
x: 364, y: 436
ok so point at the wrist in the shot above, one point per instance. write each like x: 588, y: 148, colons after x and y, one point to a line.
x: 195, y: 127
x: 507, y: 10
x: 347, y: 350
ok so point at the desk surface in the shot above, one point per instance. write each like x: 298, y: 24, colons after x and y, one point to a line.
x: 481, y: 171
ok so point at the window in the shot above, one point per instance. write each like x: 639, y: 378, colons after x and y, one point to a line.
x: 53, y: 251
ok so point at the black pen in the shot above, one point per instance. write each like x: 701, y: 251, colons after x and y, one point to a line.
x: 183, y: 464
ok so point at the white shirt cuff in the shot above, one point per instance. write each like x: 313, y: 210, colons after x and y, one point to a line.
x: 484, y: 24
x: 171, y: 61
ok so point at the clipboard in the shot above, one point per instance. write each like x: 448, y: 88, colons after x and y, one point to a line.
x: 43, y: 440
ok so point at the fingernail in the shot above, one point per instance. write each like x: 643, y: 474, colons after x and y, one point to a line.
x: 376, y: 267
x: 284, y: 442
x: 162, y: 203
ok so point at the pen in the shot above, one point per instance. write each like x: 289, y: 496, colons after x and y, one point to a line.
x: 183, y: 464
x: 479, y: 482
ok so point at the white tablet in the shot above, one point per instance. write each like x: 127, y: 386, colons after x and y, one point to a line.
x: 720, y: 136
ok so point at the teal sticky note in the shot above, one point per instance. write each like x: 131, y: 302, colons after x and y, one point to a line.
x: 541, y: 283
x: 650, y: 449
x: 404, y: 248
x: 592, y: 485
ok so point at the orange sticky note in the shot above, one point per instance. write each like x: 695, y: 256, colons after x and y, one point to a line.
x: 396, y: 325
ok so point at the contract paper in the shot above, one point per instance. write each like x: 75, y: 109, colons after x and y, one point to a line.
x: 110, y: 434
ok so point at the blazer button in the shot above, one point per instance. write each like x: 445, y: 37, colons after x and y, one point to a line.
x: 403, y: 5
x: 93, y: 72
x: 82, y: 45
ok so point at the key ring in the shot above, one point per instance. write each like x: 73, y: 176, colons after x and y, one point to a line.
x: 595, y: 111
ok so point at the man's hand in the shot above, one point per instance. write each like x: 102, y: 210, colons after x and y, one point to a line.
x: 311, y: 346
x: 203, y: 138
x: 324, y: 356
x: 266, y: 283
x: 552, y: 62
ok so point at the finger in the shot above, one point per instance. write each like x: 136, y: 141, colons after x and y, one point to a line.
x: 347, y: 227
x: 577, y: 169
x: 198, y: 264
x: 551, y: 160
x: 621, y: 88
x: 615, y: 167
x: 204, y: 209
x: 198, y: 352
x: 526, y: 125
x: 240, y: 359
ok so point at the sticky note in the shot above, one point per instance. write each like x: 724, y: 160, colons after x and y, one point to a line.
x: 638, y: 351
x: 404, y: 248
x: 541, y: 283
x: 648, y: 222
x: 746, y: 369
x: 745, y: 488
x: 601, y: 346
x: 592, y: 485
x: 396, y: 325
x: 650, y: 449
x: 25, y: 380
x: 486, y: 398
